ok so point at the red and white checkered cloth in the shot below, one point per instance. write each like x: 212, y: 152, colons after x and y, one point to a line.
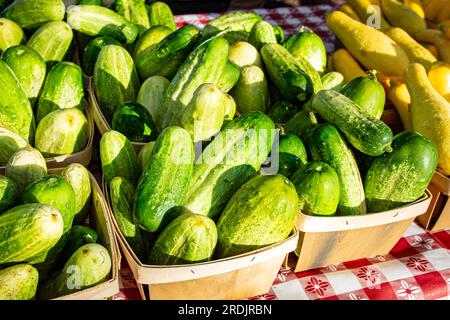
x: 417, y: 268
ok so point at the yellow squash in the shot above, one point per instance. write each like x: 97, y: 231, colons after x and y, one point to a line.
x: 372, y: 48
x: 401, y: 99
x: 438, y: 39
x: 361, y: 7
x: 348, y: 10
x: 415, y: 51
x: 402, y: 16
x: 439, y: 76
x: 430, y: 112
x: 344, y: 63
x: 416, y: 6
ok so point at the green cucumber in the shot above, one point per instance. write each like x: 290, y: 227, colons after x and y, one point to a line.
x: 118, y: 157
x: 159, y: 13
x: 367, y: 93
x: 326, y: 144
x: 122, y: 194
x: 317, y: 186
x: 190, y: 238
x: 79, y: 178
x: 36, y: 229
x: 145, y: 154
x: 333, y: 81
x: 63, y: 89
x: 134, y: 11
x: 115, y: 79
x: 402, y: 176
x: 230, y: 109
x: 29, y: 68
x: 151, y: 95
x: 244, y: 54
x: 167, y: 175
x: 285, y: 71
x: 309, y: 46
x: 367, y: 134
x: 96, y: 21
x: 11, y: 34
x: 149, y: 39
x: 78, y: 236
x: 18, y: 282
x: 301, y: 123
x: 279, y: 33
x: 9, y: 193
x: 92, y: 50
x: 282, y: 111
x: 251, y: 92
x: 135, y: 122
x: 10, y: 143
x: 232, y: 158
x: 292, y: 155
x: 265, y: 205
x: 165, y: 58
x: 229, y: 77
x: 52, y: 41
x: 30, y: 14
x: 262, y: 32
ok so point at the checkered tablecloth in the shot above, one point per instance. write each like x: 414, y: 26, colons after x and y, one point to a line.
x: 417, y: 268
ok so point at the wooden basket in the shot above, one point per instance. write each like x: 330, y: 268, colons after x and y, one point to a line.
x: 100, y: 120
x: 328, y: 240
x: 437, y: 216
x: 83, y: 157
x: 238, y: 277
x: 99, y: 220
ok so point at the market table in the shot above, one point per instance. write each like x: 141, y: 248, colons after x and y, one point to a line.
x: 418, y: 267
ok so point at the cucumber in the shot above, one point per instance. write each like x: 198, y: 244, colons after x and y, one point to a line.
x: 309, y: 46
x: 122, y: 194
x: 166, y: 178
x: 52, y: 41
x: 115, y: 79
x: 311, y: 72
x: 16, y: 114
x: 203, y: 65
x: 265, y: 205
x: 149, y: 39
x: 286, y: 73
x: 118, y: 157
x: 36, y: 229
x: 159, y: 13
x: 78, y: 177
x: 367, y: 134
x: 279, y: 33
x: 232, y: 158
x: 292, y: 155
x: 205, y: 113
x: 402, y: 176
x: 92, y: 2
x: 301, y: 123
x: 262, y: 32
x: 30, y: 14
x: 63, y: 89
x: 251, y: 93
x: 326, y: 144
x: 64, y: 131
x: 78, y: 236
x: 5, y: 3
x: 26, y: 166
x: 151, y: 95
x: 18, y: 282
x: 367, y: 93
x: 88, y: 266
x: 229, y: 77
x: 244, y: 54
x: 134, y: 11
x: 282, y: 111
x: 135, y: 122
x: 165, y: 58
x: 190, y: 238
x: 145, y: 154
x: 230, y: 109
x: 11, y: 34
x: 10, y: 143
x: 29, y: 68
x: 317, y: 186
x: 9, y: 193
x: 92, y: 50
x: 333, y: 81
x: 96, y: 21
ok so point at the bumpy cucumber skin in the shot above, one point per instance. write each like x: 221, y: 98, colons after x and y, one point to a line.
x: 10, y: 143
x: 9, y: 193
x: 402, y: 176
x: 282, y: 111
x: 266, y: 205
x: 18, y: 282
x: 92, y: 50
x: 159, y: 13
x: 231, y: 159
x: 11, y: 34
x: 229, y: 77
x: 78, y: 236
x: 145, y: 154
x: 150, y: 38
x: 151, y: 95
x: 367, y: 134
x: 292, y: 154
x: 190, y: 238
x: 300, y: 123
x: 261, y: 33
x: 333, y: 81
x: 134, y: 11
x: 135, y: 122
x: 326, y: 144
x: 163, y: 184
x: 285, y: 71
